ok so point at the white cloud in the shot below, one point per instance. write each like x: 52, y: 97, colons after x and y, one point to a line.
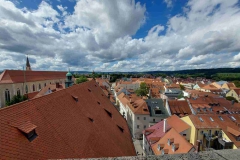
x: 100, y: 36
x: 169, y: 3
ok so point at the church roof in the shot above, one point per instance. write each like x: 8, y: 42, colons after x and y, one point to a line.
x: 17, y: 76
x: 77, y: 122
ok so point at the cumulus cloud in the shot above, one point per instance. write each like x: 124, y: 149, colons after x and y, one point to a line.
x: 99, y: 35
x: 169, y: 3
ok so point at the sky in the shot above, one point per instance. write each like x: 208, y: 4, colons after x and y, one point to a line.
x: 119, y: 35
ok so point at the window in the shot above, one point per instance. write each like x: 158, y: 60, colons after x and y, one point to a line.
x: 137, y: 126
x: 26, y: 89
x: 200, y: 118
x: 144, y: 118
x: 39, y: 86
x: 18, y: 92
x: 31, y: 135
x: 220, y: 117
x: 7, y: 95
x: 45, y: 84
x: 211, y: 119
x: 184, y: 135
x: 153, y: 120
x: 137, y: 118
x: 33, y: 88
x: 144, y: 126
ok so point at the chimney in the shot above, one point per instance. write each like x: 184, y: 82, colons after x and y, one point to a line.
x: 57, y: 85
x: 165, y: 125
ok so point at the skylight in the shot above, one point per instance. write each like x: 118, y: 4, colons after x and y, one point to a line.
x: 211, y: 119
x: 200, y: 118
x: 220, y: 117
x: 234, y: 119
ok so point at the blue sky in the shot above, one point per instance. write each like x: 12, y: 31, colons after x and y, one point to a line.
x: 113, y: 35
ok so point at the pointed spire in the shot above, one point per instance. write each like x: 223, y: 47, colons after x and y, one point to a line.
x: 28, y: 67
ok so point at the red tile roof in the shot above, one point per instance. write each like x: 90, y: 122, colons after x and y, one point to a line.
x: 181, y: 144
x: 17, y: 76
x: 178, y: 124
x: 66, y: 128
x: 179, y: 107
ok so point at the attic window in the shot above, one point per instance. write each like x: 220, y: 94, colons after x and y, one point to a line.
x: 91, y: 119
x: 109, y: 113
x: 211, y: 119
x: 98, y: 102
x: 232, y: 118
x: 120, y: 128
x: 89, y: 90
x: 28, y: 130
x: 200, y: 118
x: 75, y: 98
x: 220, y: 117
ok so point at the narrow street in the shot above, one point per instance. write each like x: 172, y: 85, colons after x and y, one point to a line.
x: 138, y: 146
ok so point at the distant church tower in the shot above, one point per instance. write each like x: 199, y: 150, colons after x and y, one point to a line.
x: 68, y: 81
x: 28, y: 67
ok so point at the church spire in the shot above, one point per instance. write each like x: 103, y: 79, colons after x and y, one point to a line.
x: 28, y: 67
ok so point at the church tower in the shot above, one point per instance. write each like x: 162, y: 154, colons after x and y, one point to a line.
x: 28, y: 67
x: 69, y: 81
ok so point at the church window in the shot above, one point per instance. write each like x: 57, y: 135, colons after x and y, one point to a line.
x: 33, y: 87
x: 7, y: 95
x: 26, y: 89
x: 45, y: 84
x: 18, y: 92
x: 39, y: 86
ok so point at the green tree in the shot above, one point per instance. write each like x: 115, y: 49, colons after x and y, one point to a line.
x: 16, y: 99
x: 237, y: 83
x: 231, y: 98
x: 81, y: 79
x: 182, y: 87
x: 143, y: 90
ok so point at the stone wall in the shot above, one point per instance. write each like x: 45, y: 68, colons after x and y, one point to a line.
x: 227, y: 154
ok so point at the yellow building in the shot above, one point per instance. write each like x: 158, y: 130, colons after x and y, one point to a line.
x: 214, y: 131
x: 234, y: 93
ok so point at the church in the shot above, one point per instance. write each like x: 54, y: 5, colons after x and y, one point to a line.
x: 21, y: 82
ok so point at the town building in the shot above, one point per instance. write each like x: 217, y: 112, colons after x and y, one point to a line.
x: 170, y: 136
x: 180, y: 108
x: 76, y: 122
x: 217, y: 131
x: 21, y: 82
x: 234, y: 93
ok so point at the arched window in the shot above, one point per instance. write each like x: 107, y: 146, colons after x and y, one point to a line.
x: 26, y: 89
x: 33, y: 87
x: 45, y: 84
x: 39, y: 87
x: 7, y: 95
x: 50, y: 82
x: 18, y: 92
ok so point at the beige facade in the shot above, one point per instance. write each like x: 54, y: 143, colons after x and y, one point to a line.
x: 232, y: 93
x: 15, y: 88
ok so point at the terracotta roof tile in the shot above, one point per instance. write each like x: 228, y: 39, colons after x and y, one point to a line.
x: 176, y: 123
x: 181, y: 144
x: 17, y: 76
x: 63, y: 126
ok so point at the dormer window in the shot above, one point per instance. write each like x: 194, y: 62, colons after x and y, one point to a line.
x: 170, y: 141
x: 160, y: 147
x: 29, y: 130
x: 175, y: 147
